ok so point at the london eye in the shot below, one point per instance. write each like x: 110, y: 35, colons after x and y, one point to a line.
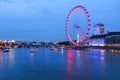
x: 81, y: 36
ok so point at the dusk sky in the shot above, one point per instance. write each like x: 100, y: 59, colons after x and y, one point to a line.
x: 41, y: 20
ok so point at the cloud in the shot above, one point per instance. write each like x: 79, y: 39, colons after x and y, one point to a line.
x: 31, y: 7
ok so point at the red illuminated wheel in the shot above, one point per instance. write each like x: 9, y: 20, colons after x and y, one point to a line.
x: 87, y: 27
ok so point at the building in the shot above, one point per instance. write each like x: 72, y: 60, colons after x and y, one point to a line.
x: 97, y: 40
x: 98, y: 29
x: 109, y: 39
x: 112, y: 39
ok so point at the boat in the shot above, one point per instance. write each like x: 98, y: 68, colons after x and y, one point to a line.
x: 53, y: 48
x: 6, y: 50
x: 33, y: 50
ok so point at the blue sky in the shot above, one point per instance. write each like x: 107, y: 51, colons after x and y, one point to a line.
x: 41, y: 20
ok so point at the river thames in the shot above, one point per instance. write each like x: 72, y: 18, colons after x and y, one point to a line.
x: 46, y: 64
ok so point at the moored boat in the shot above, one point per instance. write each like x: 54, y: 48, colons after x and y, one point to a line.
x: 54, y: 49
x: 6, y: 50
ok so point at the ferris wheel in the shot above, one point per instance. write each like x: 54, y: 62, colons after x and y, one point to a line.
x: 80, y: 36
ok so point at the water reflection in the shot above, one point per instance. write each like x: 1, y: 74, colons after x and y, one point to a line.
x: 98, y: 62
x: 78, y: 57
x: 7, y: 58
x: 69, y: 60
x: 62, y: 50
x: 97, y: 54
x: 85, y: 62
x: 11, y: 57
x: 1, y: 60
x: 56, y: 65
x: 32, y: 54
x: 102, y: 54
x: 82, y: 53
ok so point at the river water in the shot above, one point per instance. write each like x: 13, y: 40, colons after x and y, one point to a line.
x: 45, y: 64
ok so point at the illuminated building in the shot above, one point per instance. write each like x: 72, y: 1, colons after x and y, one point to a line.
x: 98, y: 29
x: 112, y: 39
x: 98, y: 37
x: 97, y: 40
x: 109, y: 39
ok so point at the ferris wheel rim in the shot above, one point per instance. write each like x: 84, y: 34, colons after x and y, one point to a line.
x: 84, y: 11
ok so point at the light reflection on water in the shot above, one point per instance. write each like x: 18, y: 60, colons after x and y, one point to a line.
x: 45, y: 64
x: 7, y: 57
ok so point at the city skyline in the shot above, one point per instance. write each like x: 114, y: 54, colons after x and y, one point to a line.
x: 45, y: 20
